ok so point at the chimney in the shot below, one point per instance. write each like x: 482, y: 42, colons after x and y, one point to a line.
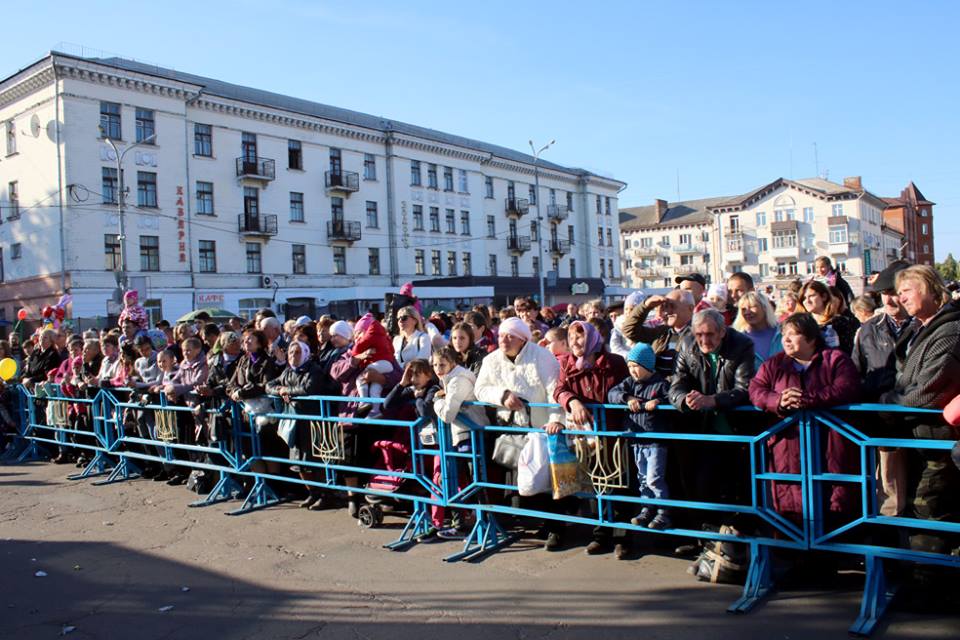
x: 854, y: 183
x: 661, y: 208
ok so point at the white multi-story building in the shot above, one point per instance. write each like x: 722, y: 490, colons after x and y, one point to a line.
x: 774, y: 233
x: 243, y: 198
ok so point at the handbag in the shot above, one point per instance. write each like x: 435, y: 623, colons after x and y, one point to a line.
x: 507, y: 446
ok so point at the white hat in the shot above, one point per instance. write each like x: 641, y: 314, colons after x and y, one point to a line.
x: 517, y: 328
x: 302, y: 320
x: 342, y: 329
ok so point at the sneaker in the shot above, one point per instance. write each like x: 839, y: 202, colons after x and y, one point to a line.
x: 309, y: 502
x: 428, y: 535
x: 660, y: 522
x: 163, y: 476
x: 622, y: 551
x: 177, y: 480
x: 451, y: 533
x: 643, y: 518
x: 596, y: 547
x: 554, y: 542
x: 363, y: 410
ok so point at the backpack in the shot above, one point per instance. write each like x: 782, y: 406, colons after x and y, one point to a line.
x: 721, y: 561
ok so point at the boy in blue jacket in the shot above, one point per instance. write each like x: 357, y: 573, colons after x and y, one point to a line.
x: 642, y: 392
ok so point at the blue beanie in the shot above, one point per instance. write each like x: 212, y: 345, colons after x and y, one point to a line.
x: 643, y: 355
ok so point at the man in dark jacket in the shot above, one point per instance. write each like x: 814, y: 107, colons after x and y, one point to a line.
x: 713, y: 374
x: 675, y: 309
x: 928, y: 377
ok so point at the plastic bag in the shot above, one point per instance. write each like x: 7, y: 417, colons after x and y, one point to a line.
x: 533, y: 466
x: 565, y: 474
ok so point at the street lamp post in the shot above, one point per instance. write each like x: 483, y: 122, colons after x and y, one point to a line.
x: 536, y: 191
x: 122, y: 237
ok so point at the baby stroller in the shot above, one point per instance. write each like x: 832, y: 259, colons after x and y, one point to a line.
x: 395, y: 456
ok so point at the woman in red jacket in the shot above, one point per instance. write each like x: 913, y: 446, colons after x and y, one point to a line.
x: 806, y: 375
x: 587, y: 374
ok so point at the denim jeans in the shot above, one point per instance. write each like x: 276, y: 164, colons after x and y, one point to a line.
x: 651, y: 462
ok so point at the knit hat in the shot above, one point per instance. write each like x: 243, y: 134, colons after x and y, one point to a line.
x: 517, y: 328
x: 342, y: 329
x: 643, y: 355
x: 302, y: 320
x: 717, y: 290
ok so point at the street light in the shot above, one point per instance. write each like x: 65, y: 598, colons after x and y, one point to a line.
x: 122, y: 237
x: 536, y: 191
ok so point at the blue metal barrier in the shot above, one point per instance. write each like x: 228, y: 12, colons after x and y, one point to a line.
x: 239, y: 458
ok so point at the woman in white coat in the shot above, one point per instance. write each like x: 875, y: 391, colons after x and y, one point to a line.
x: 413, y: 342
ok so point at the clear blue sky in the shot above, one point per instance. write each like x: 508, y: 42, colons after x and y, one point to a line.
x: 725, y: 93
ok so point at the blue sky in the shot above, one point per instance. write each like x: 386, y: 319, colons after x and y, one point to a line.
x: 729, y: 95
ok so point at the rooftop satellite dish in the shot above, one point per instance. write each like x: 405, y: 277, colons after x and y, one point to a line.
x: 35, y: 125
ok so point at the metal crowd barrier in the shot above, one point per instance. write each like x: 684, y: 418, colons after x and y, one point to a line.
x: 237, y: 457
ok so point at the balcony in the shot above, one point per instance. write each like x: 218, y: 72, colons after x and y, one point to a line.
x: 690, y: 247
x: 256, y: 168
x: 792, y: 253
x: 343, y: 231
x: 257, y: 225
x: 341, y: 182
x: 518, y: 244
x: 685, y: 269
x: 648, y: 272
x: 839, y: 248
x: 557, y: 212
x: 560, y: 247
x: 516, y: 206
x: 650, y: 252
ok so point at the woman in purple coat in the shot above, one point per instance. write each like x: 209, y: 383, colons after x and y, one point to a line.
x: 806, y: 375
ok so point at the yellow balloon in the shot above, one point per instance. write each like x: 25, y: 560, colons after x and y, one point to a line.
x: 8, y: 368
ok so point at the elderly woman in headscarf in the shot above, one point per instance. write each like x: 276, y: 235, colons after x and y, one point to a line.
x: 302, y: 377
x: 587, y: 374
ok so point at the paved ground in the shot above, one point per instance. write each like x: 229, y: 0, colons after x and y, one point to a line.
x: 115, y: 555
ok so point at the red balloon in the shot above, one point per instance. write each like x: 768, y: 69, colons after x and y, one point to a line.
x: 47, y: 312
x: 22, y: 314
x: 60, y: 313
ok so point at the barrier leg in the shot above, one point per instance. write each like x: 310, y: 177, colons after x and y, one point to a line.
x: 14, y: 448
x: 486, y: 537
x: 418, y: 524
x: 32, y: 453
x: 226, y: 489
x: 260, y: 496
x: 124, y: 470
x: 97, y: 467
x: 759, y: 582
x: 877, y: 595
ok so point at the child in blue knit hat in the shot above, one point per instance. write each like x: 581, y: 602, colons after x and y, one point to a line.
x: 642, y: 392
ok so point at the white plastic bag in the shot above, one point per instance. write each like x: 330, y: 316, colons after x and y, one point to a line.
x: 533, y: 469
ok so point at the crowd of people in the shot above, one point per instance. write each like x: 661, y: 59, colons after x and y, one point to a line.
x: 704, y: 349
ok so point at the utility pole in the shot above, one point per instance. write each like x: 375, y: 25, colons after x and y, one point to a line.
x: 536, y: 191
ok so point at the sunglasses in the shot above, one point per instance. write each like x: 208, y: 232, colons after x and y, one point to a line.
x: 402, y: 318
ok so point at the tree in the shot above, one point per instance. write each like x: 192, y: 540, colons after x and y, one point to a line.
x: 949, y: 268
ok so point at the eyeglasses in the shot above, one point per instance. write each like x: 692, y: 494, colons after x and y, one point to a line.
x: 402, y: 318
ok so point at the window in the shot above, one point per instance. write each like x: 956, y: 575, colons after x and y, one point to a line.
x: 254, y: 264
x: 573, y: 268
x: 926, y: 249
x: 665, y: 241
x: 686, y: 259
x: 923, y: 213
x: 705, y: 236
x: 373, y: 216
x: 685, y: 239
x: 110, y: 120
x: 248, y: 146
x: 149, y: 253
x: 569, y: 201
x: 369, y: 168
x: 435, y: 219
x: 603, y: 268
x: 778, y: 215
x: 467, y: 263
x: 451, y: 218
x: 111, y: 251
x: 514, y: 267
x: 598, y: 205
x: 606, y: 210
x: 734, y: 224
x: 535, y: 264
x: 837, y: 210
x: 418, y: 217
x: 340, y: 261
x: 610, y: 268
x: 294, y: 155
x: 431, y: 176
x: 16, y: 251
x: 465, y: 223
x: 146, y: 189
x: 808, y: 214
x: 208, y: 256
x: 609, y: 237
x: 764, y: 270
x: 838, y: 233
x: 415, y: 176
x: 491, y: 226
x: 418, y: 261
x: 336, y: 209
x: 600, y: 236
x: 451, y: 263
x: 570, y: 236
x: 447, y: 179
x: 108, y: 185
x: 204, y: 198
x: 11, y: 138
x: 532, y: 192
x: 146, y: 126
x: 792, y: 268
x: 791, y: 214
x: 296, y: 206
x: 784, y: 239
x: 511, y: 190
x: 373, y: 261
x: 553, y: 196
x: 487, y: 187
x: 811, y: 268
x: 492, y: 264
x: 761, y: 218
x: 435, y: 267
x: 203, y: 140
x: 534, y: 231
x: 462, y: 185
x: 762, y: 245
x: 336, y: 161
x: 298, y: 254
x: 924, y: 228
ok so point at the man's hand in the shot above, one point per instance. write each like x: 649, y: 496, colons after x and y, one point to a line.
x: 653, y: 302
x: 699, y: 402
x: 512, y: 401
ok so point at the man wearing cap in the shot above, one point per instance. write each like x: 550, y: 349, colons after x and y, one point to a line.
x: 520, y: 373
x: 695, y: 283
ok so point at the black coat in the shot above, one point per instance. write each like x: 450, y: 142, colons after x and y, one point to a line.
x: 655, y: 387
x: 873, y: 353
x: 37, y: 365
x: 250, y: 378
x: 735, y: 368
x: 302, y: 381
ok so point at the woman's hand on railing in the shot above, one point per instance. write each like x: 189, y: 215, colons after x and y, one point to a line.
x: 553, y: 428
x: 791, y: 399
x: 579, y: 414
x: 512, y: 401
